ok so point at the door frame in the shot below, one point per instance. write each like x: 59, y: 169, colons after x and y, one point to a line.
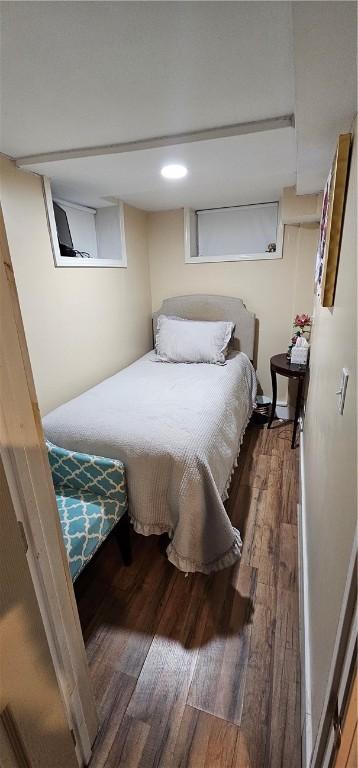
x: 349, y: 730
x: 29, y: 478
x: 342, y: 672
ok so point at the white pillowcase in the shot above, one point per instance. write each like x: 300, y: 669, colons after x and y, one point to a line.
x: 192, y: 341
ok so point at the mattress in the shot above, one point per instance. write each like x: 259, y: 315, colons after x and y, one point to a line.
x: 178, y: 429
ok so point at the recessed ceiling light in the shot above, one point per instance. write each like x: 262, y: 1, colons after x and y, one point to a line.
x: 174, y: 171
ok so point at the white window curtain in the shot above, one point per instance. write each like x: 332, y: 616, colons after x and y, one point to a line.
x: 237, y: 231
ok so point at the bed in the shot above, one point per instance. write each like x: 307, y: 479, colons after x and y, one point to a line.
x: 178, y: 429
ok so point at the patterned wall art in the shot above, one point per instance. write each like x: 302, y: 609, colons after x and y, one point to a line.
x: 332, y: 223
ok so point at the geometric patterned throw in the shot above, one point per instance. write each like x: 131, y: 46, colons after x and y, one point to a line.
x: 91, y: 497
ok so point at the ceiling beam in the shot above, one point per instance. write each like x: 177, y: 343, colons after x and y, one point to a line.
x: 220, y: 132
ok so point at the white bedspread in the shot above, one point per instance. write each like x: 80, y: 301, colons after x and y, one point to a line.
x: 178, y: 429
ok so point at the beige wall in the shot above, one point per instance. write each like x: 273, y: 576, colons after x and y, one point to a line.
x: 330, y: 455
x: 275, y: 290
x: 299, y: 209
x: 81, y: 324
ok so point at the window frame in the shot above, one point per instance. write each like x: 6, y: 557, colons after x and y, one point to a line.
x: 66, y: 261
x: 190, y: 239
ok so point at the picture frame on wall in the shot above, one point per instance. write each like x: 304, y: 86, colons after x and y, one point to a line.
x: 332, y: 222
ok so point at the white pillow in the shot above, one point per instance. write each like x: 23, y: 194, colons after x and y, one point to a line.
x: 192, y: 341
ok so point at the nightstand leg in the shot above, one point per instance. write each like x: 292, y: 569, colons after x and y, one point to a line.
x: 297, y: 411
x: 274, y: 397
x: 122, y: 532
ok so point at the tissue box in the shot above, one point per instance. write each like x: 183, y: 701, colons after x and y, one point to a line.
x: 299, y: 355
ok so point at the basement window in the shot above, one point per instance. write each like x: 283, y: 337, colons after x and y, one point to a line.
x: 85, y: 237
x: 233, y: 233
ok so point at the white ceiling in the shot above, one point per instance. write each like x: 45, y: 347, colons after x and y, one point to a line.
x: 77, y: 74
x: 232, y: 170
x: 325, y: 58
x: 86, y: 73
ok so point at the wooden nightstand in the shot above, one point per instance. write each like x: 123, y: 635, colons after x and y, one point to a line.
x: 280, y: 364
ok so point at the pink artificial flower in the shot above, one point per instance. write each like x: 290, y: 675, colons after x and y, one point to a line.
x: 302, y: 320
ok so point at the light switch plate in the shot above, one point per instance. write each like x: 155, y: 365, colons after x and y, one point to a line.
x: 341, y: 392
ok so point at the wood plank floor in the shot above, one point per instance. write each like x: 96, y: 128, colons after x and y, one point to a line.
x: 203, y: 671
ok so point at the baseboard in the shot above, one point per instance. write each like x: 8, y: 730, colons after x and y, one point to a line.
x: 285, y: 412
x: 282, y: 403
x: 306, y: 685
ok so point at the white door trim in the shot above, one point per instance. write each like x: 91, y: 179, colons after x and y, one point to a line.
x: 343, y: 653
x: 320, y: 753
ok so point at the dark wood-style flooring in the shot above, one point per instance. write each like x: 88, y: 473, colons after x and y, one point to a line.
x: 203, y: 671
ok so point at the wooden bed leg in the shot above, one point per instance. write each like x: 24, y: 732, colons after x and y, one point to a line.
x: 123, y: 536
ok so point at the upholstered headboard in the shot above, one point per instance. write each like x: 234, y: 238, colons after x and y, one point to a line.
x: 204, y: 307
